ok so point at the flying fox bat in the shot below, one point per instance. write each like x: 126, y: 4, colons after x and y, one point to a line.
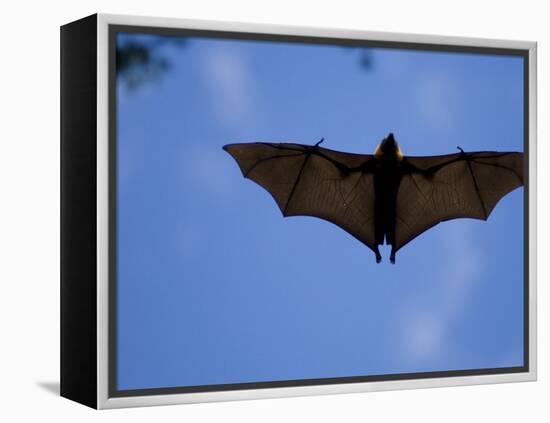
x: 381, y: 197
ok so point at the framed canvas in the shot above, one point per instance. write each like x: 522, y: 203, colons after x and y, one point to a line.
x: 406, y: 165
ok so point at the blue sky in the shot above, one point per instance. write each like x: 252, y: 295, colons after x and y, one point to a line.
x: 215, y: 286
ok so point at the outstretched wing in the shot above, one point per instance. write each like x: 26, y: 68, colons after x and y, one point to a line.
x: 438, y: 188
x: 313, y: 181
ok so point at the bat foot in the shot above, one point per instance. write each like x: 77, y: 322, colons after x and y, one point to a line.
x: 378, y: 257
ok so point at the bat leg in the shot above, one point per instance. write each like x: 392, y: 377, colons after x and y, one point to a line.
x: 378, y: 255
x: 392, y: 255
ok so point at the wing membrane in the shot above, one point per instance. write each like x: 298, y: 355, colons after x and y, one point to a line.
x: 306, y: 181
x: 439, y: 188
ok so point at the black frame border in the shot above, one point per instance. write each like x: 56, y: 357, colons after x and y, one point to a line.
x: 114, y: 29
x: 78, y: 211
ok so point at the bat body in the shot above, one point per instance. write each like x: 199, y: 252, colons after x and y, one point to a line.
x: 386, y: 174
x: 381, y: 198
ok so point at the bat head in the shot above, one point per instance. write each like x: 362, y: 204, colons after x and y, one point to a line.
x: 388, y: 149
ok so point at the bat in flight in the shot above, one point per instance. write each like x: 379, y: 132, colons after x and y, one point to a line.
x: 384, y: 196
